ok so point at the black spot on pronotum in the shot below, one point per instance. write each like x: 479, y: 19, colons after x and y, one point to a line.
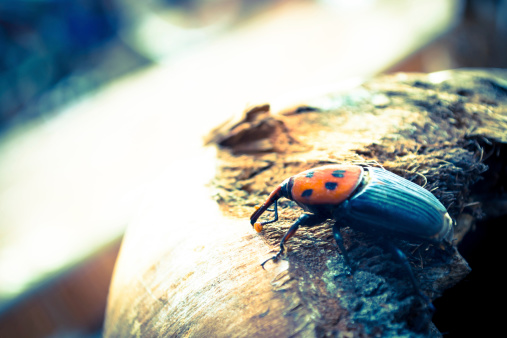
x: 338, y: 173
x: 310, y: 174
x: 331, y: 185
x: 307, y: 193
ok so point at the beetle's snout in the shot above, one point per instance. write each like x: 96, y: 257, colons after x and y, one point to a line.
x: 258, y: 226
x: 272, y: 199
x: 257, y: 213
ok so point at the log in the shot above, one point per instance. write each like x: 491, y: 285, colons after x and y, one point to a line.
x: 190, y: 262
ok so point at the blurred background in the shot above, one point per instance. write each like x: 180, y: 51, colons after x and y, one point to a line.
x: 97, y: 97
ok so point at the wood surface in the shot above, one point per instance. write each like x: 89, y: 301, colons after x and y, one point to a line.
x: 189, y: 263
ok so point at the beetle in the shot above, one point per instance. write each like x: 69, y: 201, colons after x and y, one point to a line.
x: 369, y: 199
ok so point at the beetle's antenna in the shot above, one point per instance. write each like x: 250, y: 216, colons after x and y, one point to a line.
x: 272, y: 199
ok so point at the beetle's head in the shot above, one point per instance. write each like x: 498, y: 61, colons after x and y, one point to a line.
x: 283, y: 190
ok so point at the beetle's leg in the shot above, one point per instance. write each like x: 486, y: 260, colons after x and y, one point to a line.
x: 275, y: 218
x: 273, y: 197
x: 258, y: 226
x: 305, y: 219
x: 339, y: 241
x: 402, y: 259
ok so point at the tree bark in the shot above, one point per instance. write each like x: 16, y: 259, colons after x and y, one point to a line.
x: 190, y: 262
